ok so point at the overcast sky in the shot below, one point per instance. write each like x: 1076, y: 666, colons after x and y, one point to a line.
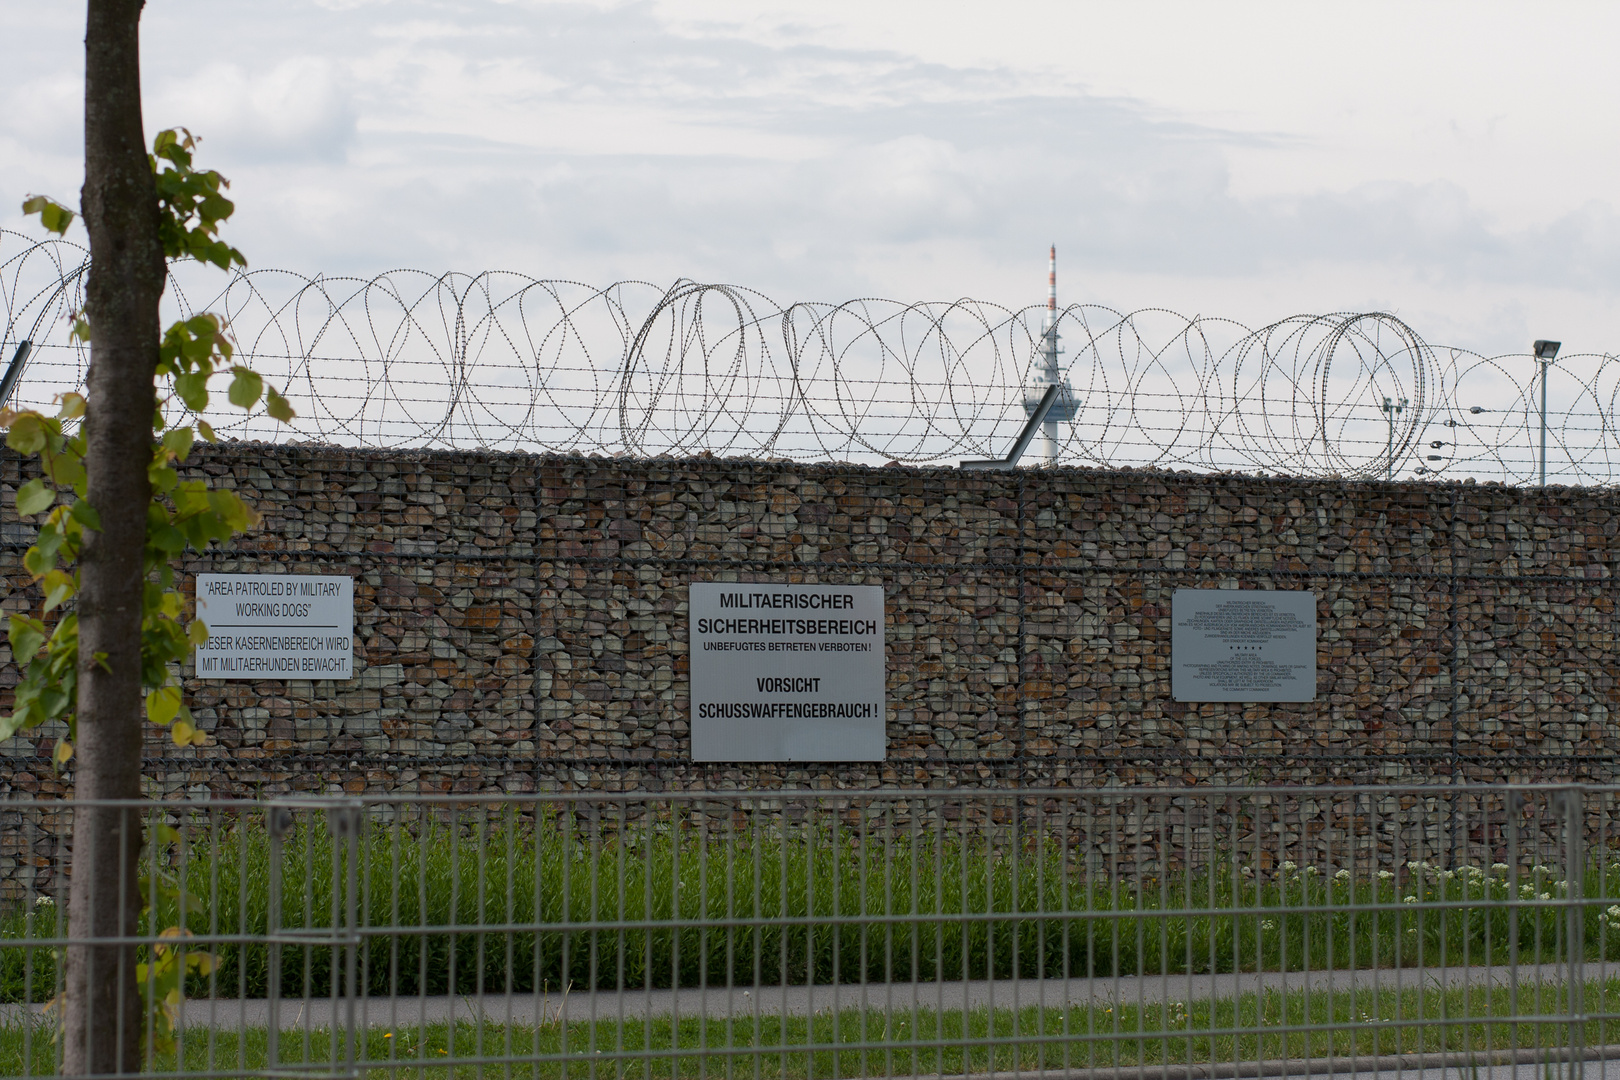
x: 1452, y: 162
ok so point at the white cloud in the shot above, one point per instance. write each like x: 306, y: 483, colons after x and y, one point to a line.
x: 1248, y: 161
x: 293, y: 110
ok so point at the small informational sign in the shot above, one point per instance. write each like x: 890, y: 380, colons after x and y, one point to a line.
x: 276, y: 626
x: 1229, y: 645
x: 787, y: 672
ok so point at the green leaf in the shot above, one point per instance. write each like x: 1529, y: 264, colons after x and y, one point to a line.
x: 190, y: 497
x: 278, y: 407
x: 26, y: 635
x: 169, y: 606
x: 246, y: 387
x: 166, y: 139
x: 193, y: 389
x: 54, y: 700
x: 59, y: 588
x: 167, y: 538
x: 163, y: 705
x: 206, y: 430
x: 204, y: 325
x: 162, y: 477
x: 27, y: 434
x: 236, y: 514
x: 34, y: 497
x: 72, y: 406
x: 68, y: 470
x: 178, y: 442
x: 86, y: 515
x: 41, y: 559
x: 53, y: 215
x: 216, y: 207
x: 10, y: 725
x: 50, y: 536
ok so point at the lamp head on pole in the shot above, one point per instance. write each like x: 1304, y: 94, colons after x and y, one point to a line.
x: 1547, y: 351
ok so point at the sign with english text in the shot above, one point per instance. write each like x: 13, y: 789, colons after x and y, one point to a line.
x: 276, y: 626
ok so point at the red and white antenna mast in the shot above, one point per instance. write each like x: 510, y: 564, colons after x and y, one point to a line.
x: 1051, y: 289
x: 1047, y: 371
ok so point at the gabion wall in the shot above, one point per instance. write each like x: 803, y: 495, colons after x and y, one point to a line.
x: 520, y: 623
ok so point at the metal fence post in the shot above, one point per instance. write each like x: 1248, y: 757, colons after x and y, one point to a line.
x: 278, y: 821
x: 1573, y: 811
x: 345, y: 821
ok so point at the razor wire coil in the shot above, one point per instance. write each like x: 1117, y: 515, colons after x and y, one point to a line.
x: 503, y: 361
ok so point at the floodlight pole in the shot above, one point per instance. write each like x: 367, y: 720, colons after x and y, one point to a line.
x: 1545, y: 352
x: 1543, y: 455
x: 1391, y: 409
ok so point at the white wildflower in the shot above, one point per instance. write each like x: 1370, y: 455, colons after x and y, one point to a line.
x: 1289, y: 867
x: 1499, y: 868
x: 1614, y: 912
x: 1384, y: 875
x: 1342, y: 875
x: 1446, y: 875
x: 1410, y: 899
x: 1544, y: 896
x: 44, y: 901
x: 1267, y: 924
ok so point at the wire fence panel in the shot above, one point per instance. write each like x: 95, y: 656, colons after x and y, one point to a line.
x: 506, y: 361
x: 1186, y: 932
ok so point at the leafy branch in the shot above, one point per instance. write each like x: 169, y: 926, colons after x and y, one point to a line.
x: 182, y: 513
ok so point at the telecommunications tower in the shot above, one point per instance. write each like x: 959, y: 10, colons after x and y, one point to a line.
x: 1046, y: 372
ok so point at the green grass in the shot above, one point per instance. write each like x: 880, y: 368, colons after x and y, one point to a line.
x: 817, y: 907
x: 1268, y: 1026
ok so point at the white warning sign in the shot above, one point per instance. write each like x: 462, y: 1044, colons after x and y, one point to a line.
x: 276, y: 626
x: 787, y: 672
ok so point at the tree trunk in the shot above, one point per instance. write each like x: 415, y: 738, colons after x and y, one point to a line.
x: 102, y: 1010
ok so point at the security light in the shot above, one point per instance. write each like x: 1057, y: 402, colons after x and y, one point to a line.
x: 1547, y: 351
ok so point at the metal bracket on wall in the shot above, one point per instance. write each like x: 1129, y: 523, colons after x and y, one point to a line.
x: 1035, y: 418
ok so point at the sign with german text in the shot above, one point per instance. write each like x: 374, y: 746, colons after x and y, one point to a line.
x: 787, y: 672
x: 276, y: 626
x: 1242, y: 645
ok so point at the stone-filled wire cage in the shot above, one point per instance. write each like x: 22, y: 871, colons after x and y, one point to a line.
x: 521, y: 624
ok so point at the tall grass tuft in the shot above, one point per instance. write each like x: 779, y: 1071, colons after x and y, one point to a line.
x: 508, y: 905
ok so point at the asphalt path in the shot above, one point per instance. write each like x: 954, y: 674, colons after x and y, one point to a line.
x: 743, y: 1003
